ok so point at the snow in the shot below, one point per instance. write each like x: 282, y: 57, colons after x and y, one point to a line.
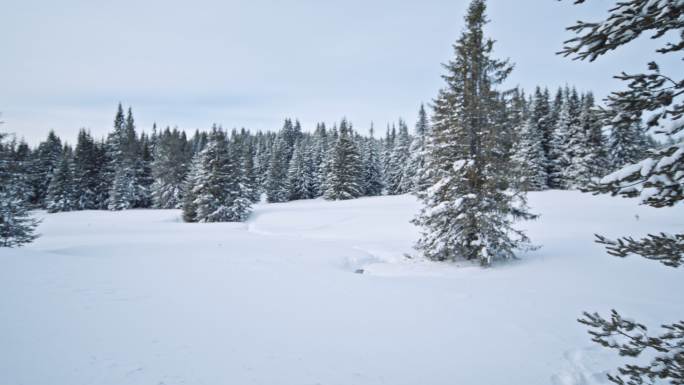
x: 138, y: 297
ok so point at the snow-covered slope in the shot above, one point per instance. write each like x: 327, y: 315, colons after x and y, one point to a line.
x: 138, y: 297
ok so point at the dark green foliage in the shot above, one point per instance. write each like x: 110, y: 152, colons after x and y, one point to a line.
x: 46, y: 158
x: 343, y: 179
x: 630, y: 339
x: 17, y: 227
x: 276, y: 181
x: 169, y: 168
x: 218, y: 193
x: 665, y: 248
x: 468, y: 214
x: 61, y: 194
x: 658, y: 180
x: 88, y: 174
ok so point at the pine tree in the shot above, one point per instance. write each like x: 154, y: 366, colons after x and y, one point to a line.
x: 529, y: 158
x: 123, y: 192
x: 399, y: 158
x: 87, y: 172
x: 559, y: 157
x: 249, y: 176
x: 414, y: 180
x: 61, y: 194
x: 169, y: 169
x: 144, y: 177
x: 125, y: 163
x: 218, y: 192
x: 545, y: 117
x: 17, y: 227
x: 344, y: 171
x: 587, y: 147
x: 300, y: 177
x: 189, y: 196
x: 626, y: 143
x: 319, y: 152
x: 372, y: 167
x: 276, y: 181
x: 658, y: 180
x: 467, y: 213
x: 47, y: 156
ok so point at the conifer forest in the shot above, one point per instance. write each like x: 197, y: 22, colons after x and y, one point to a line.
x: 500, y: 231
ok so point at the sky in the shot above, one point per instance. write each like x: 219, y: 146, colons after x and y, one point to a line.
x: 66, y: 64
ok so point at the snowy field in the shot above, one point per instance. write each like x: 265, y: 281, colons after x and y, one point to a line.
x: 138, y: 297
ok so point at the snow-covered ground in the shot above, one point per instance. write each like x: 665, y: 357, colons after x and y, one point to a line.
x: 138, y: 297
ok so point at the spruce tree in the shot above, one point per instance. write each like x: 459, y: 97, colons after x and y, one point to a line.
x: 144, y: 177
x: 276, y: 180
x: 626, y: 142
x: 413, y: 172
x: 17, y: 227
x: 399, y: 159
x: 559, y: 157
x: 467, y: 212
x: 189, y: 196
x: 88, y: 169
x: 658, y: 180
x: 372, y: 167
x: 125, y: 168
x: 61, y: 194
x: 218, y: 192
x: 344, y: 173
x: 529, y: 158
x: 545, y: 117
x: 123, y: 193
x: 319, y: 152
x: 169, y: 169
x: 300, y: 177
x: 47, y: 156
x: 249, y: 176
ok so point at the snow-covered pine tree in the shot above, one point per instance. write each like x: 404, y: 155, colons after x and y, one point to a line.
x: 189, y: 196
x: 576, y: 172
x: 123, y: 192
x: 219, y: 195
x: 123, y: 152
x: 388, y: 146
x: 47, y: 156
x: 399, y: 157
x: 560, y: 157
x: 239, y: 195
x: 276, y: 179
x: 17, y: 227
x: 529, y: 159
x: 586, y: 146
x: 61, y: 195
x: 372, y: 167
x: 88, y: 169
x: 597, y: 145
x: 467, y: 214
x: 300, y: 174
x: 104, y: 170
x: 169, y: 169
x: 626, y: 142
x: 415, y: 168
x: 319, y: 151
x: 262, y: 159
x: 345, y: 168
x: 249, y: 176
x: 658, y: 180
x: 144, y: 177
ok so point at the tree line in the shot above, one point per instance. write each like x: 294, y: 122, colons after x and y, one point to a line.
x: 216, y: 175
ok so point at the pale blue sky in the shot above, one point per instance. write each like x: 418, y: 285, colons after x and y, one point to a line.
x: 66, y: 64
